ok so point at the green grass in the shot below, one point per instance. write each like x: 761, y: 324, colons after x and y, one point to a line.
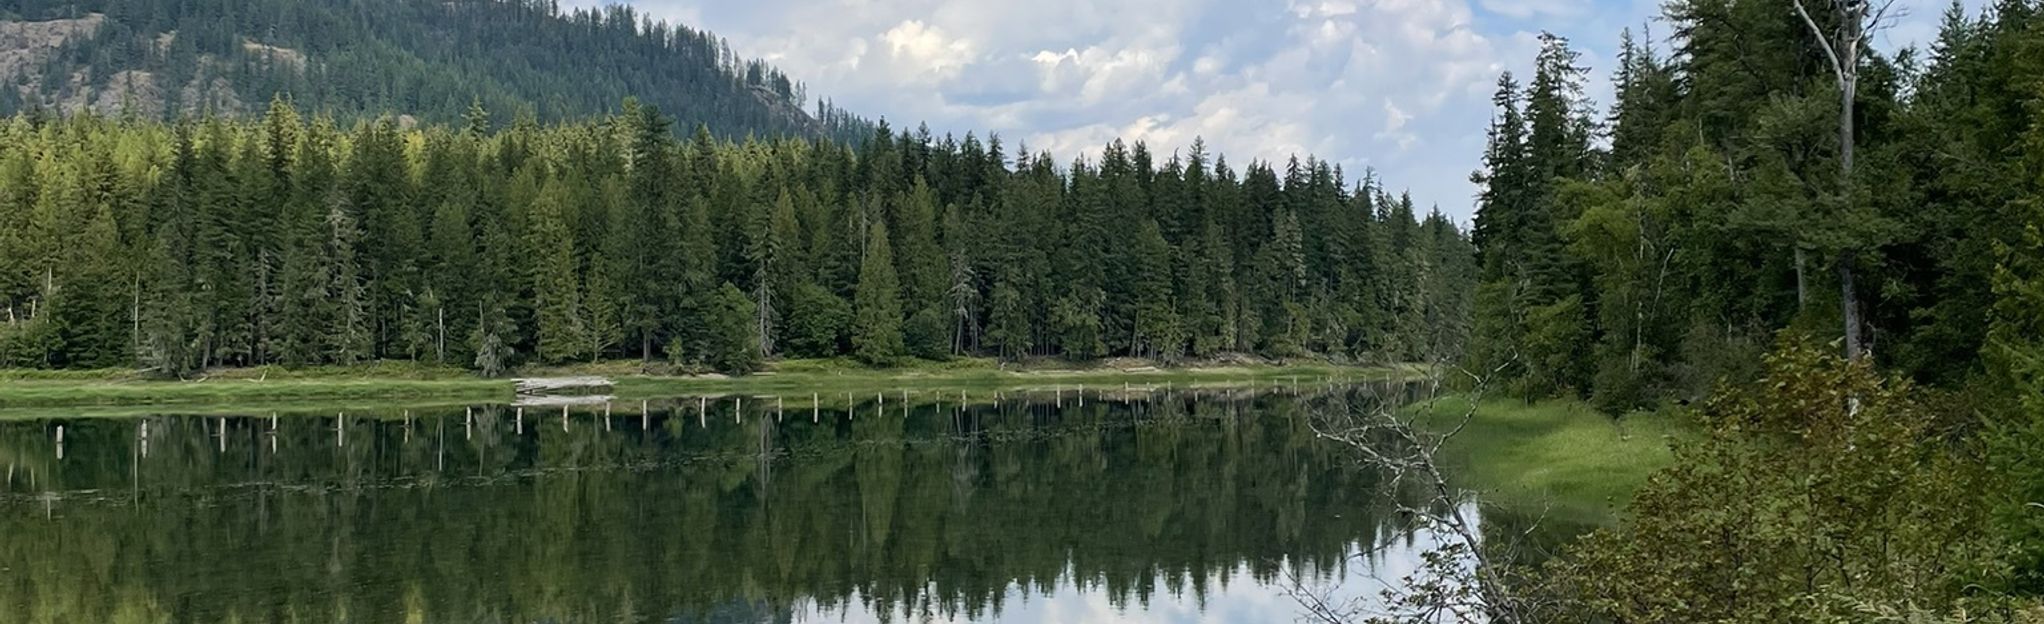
x: 826, y: 376
x: 1562, y: 455
x: 273, y: 389
x: 71, y: 393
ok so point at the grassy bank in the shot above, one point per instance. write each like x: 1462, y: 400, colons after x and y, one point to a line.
x: 22, y: 393
x: 825, y: 376
x: 1563, y: 456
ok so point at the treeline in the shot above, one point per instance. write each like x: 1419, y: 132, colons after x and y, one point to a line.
x: 276, y: 240
x: 358, y: 59
x: 1715, y: 203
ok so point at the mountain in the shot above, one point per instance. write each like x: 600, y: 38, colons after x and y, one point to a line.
x: 426, y: 59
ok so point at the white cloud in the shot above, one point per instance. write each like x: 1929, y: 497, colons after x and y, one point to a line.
x: 1399, y: 85
x: 924, y: 53
x: 1533, y: 8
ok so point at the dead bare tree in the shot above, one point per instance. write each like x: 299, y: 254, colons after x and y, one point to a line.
x: 1842, y: 46
x: 1461, y: 577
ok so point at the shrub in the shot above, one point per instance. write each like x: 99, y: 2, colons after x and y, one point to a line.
x: 1822, y: 494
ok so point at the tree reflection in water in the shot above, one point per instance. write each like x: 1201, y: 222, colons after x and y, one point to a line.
x: 1181, y: 504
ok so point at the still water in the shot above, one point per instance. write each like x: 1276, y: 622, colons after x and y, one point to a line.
x: 1183, y: 506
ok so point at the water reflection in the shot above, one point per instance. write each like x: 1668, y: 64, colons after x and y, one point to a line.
x: 1150, y: 506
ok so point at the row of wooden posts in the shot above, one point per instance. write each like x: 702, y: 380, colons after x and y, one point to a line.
x: 645, y: 413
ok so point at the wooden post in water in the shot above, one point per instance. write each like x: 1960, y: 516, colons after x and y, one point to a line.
x: 60, y: 442
x: 564, y: 419
x: 519, y: 413
x: 1082, y: 395
x: 1059, y: 390
x: 145, y: 438
x: 738, y: 410
x: 645, y: 416
x: 702, y: 412
x: 341, y: 429
x: 780, y: 406
x: 223, y: 434
x: 815, y: 407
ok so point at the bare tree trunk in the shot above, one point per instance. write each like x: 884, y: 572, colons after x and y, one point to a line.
x: 1802, y: 280
x: 1843, y: 48
x: 1855, y: 345
x: 1855, y: 341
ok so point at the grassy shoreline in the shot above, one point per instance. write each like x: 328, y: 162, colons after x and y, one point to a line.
x: 1564, y: 456
x: 387, y: 382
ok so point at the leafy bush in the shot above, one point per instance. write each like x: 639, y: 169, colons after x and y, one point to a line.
x: 733, y: 345
x: 819, y: 322
x: 1824, y: 493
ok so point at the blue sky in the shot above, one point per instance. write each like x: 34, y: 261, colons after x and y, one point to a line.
x: 1401, y: 86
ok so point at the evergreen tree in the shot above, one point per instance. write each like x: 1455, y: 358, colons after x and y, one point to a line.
x: 555, y: 290
x: 876, y: 335
x: 347, y: 304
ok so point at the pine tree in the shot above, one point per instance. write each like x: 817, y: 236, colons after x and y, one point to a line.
x: 556, y: 293
x: 351, y: 338
x: 1156, y: 319
x: 87, y: 311
x: 876, y: 335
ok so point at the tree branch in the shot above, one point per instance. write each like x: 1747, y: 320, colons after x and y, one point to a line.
x: 1824, y: 43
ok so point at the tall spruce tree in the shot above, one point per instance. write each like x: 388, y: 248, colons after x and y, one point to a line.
x: 876, y: 334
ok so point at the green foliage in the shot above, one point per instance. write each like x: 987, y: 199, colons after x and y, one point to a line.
x: 556, y: 294
x: 819, y: 322
x: 927, y: 335
x: 1722, y: 211
x: 1556, y: 337
x: 157, y: 246
x: 876, y: 331
x: 1823, y: 493
x: 728, y: 321
x: 2016, y: 354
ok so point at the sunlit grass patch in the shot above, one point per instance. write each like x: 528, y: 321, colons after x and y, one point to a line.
x: 1562, y: 455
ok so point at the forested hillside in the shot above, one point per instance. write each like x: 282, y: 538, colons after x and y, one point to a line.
x: 422, y: 59
x: 285, y: 240
x: 1724, y: 209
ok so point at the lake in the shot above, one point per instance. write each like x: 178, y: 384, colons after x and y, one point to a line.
x: 1041, y: 506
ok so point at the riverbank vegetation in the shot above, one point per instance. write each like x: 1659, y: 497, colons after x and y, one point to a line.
x: 268, y: 388
x: 1832, y: 254
x: 1563, y: 457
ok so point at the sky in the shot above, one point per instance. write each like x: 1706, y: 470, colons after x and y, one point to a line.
x: 1401, y: 87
